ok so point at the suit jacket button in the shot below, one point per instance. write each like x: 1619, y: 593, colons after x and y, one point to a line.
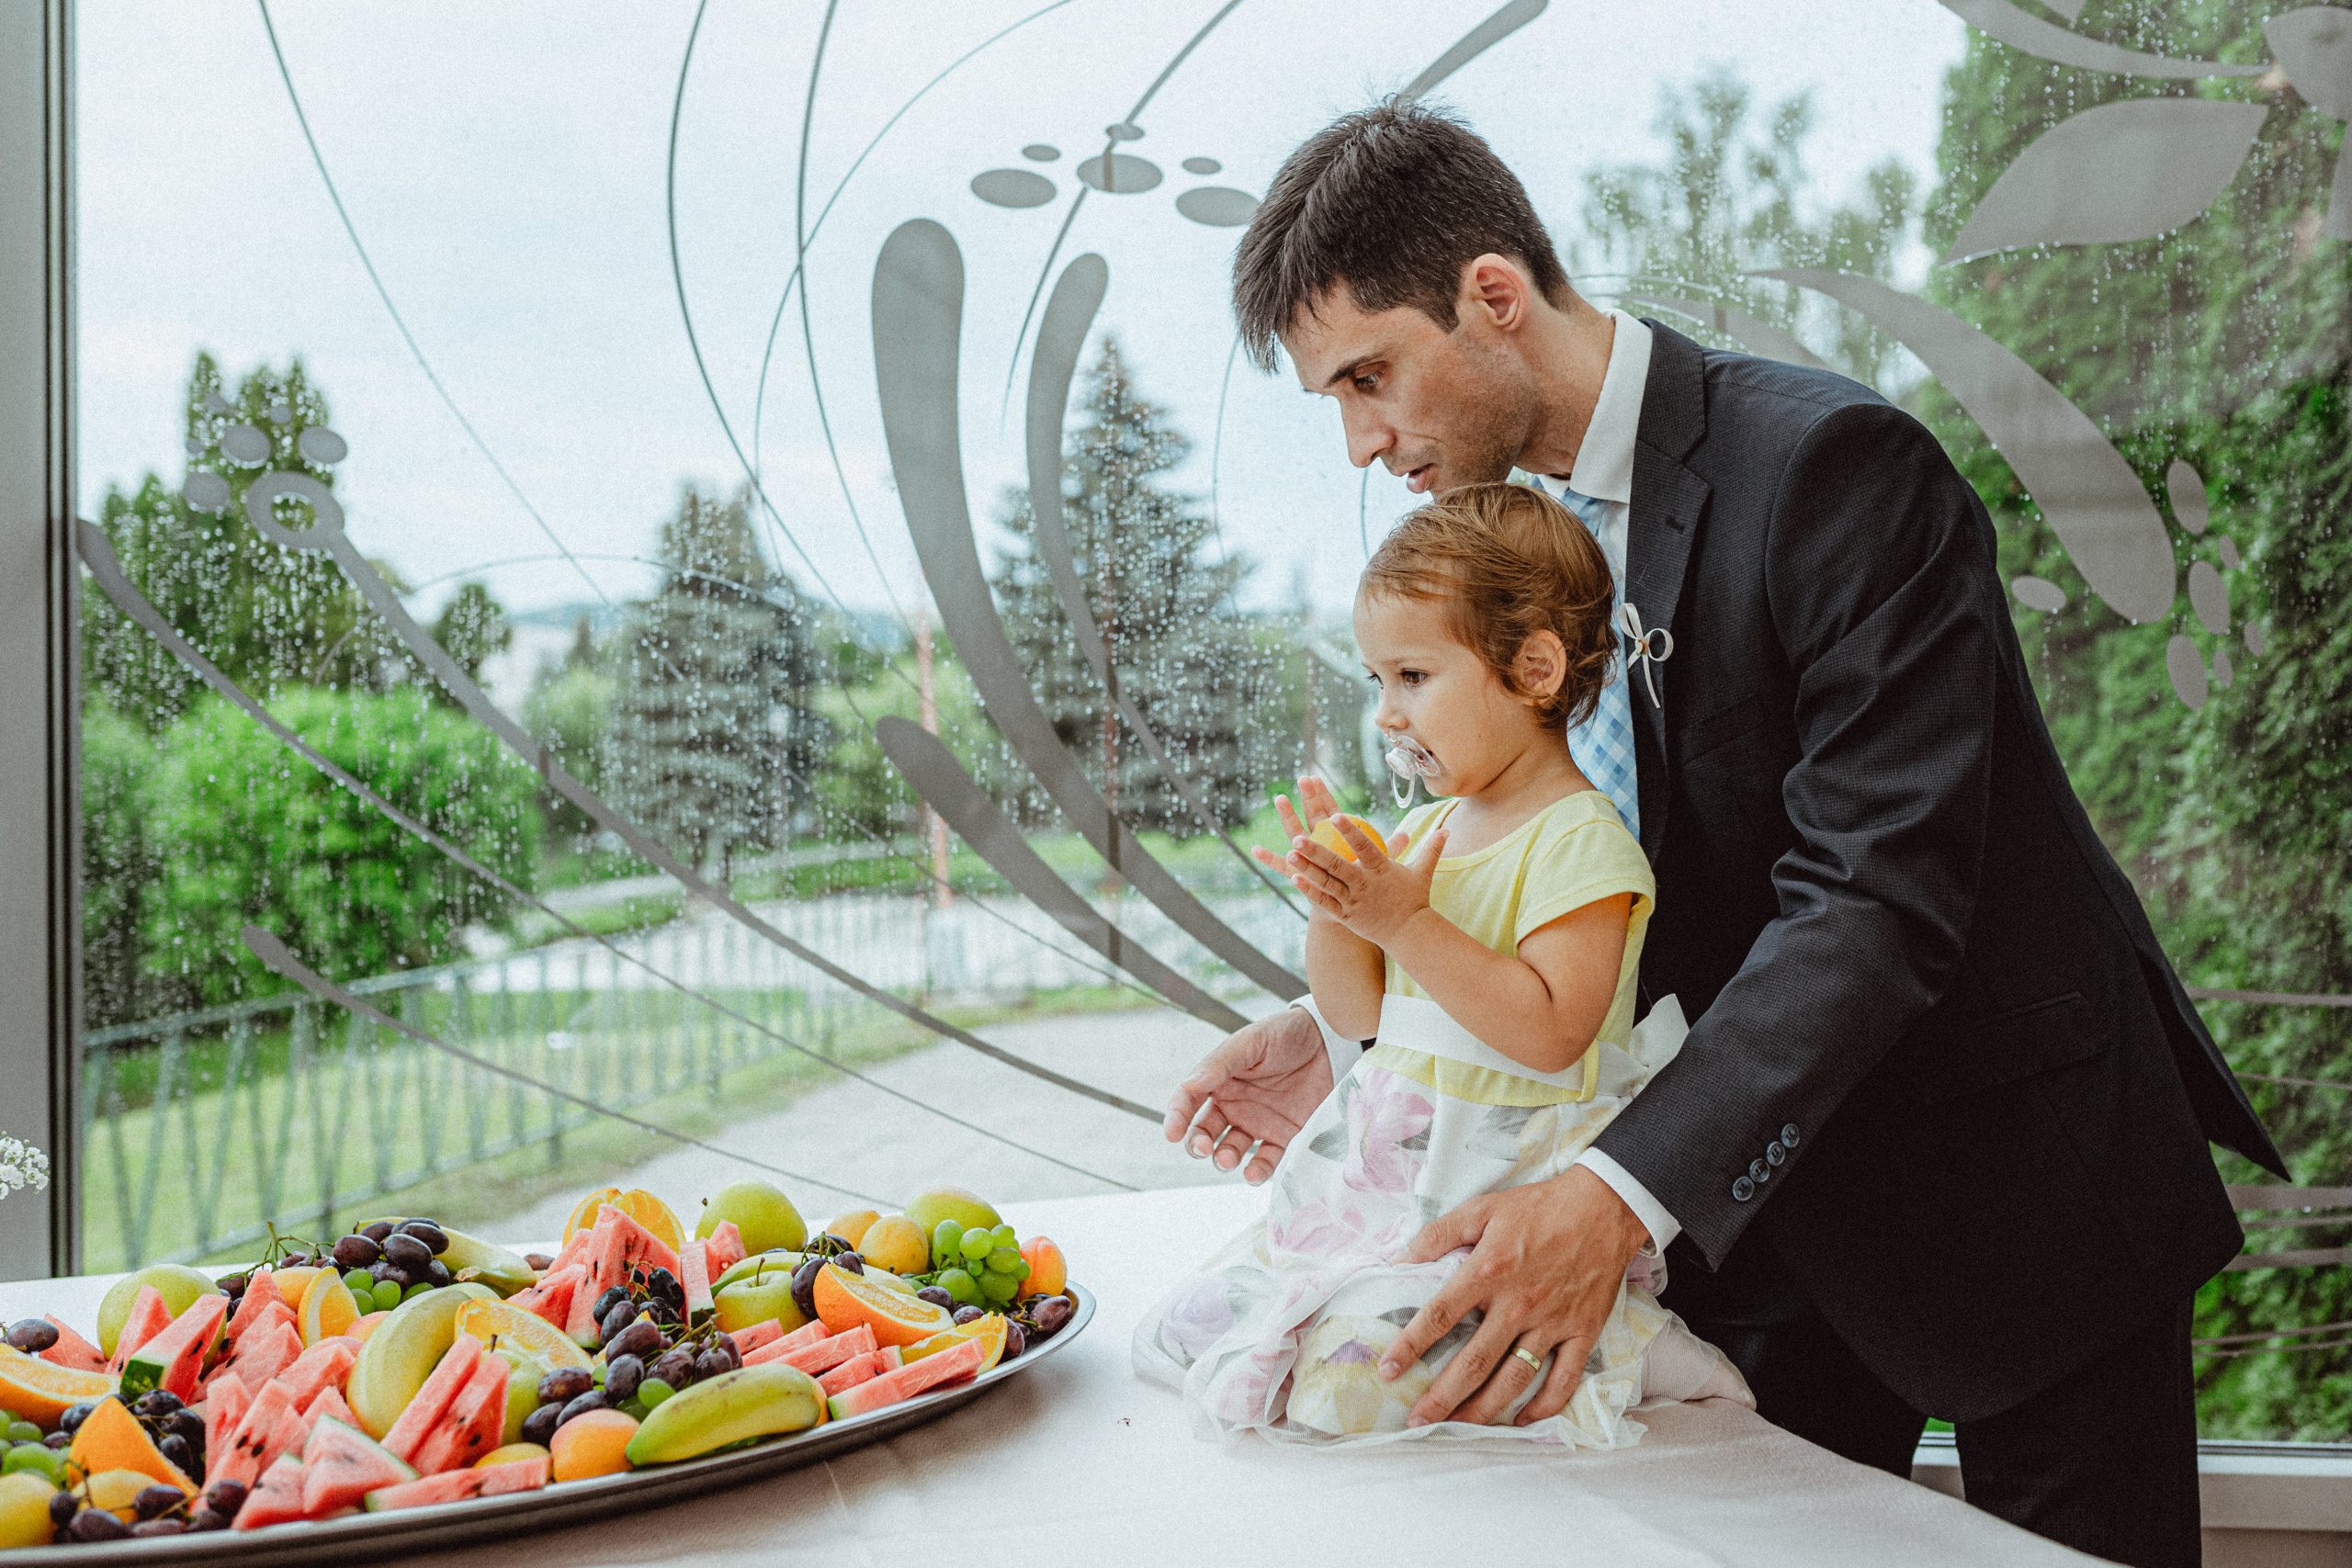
x: 1742, y: 1190
x: 1759, y: 1171
x: 1789, y: 1136
x: 1774, y: 1153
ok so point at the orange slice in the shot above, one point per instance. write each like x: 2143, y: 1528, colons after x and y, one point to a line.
x: 295, y: 1283
x: 844, y: 1300
x: 988, y: 1328
x: 639, y: 1204
x: 110, y: 1437
x: 499, y: 1325
x: 328, y: 1309
x: 584, y: 1213
x: 39, y: 1391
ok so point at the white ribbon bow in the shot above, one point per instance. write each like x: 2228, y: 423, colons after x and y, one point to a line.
x: 1652, y: 646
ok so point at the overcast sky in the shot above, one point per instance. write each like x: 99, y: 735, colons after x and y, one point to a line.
x: 505, y: 163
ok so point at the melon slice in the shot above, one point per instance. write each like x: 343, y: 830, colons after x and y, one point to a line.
x: 254, y: 1444
x: 551, y: 1297
x: 277, y: 1500
x: 324, y: 1365
x: 432, y: 1400
x: 111, y: 1437
x: 149, y: 1317
x: 226, y: 1400
x: 808, y: 1332
x: 821, y: 1357
x: 756, y: 1335
x: 449, y: 1487
x: 638, y: 1244
x: 476, y: 1421
x: 342, y: 1464
x: 171, y: 1357
x: 328, y: 1405
x: 723, y: 1249
x: 854, y: 1370
x: 694, y: 1265
x: 915, y: 1377
x: 261, y: 1294
x: 515, y: 1475
x: 72, y: 1350
x: 267, y: 1350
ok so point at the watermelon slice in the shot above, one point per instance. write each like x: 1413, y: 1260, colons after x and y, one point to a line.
x: 694, y: 1264
x: 515, y: 1475
x: 854, y: 1370
x: 254, y: 1445
x: 277, y: 1500
x: 226, y: 1400
x: 267, y: 1350
x: 324, y: 1365
x: 637, y: 1245
x: 807, y: 1332
x: 916, y: 1377
x: 723, y: 1249
x: 328, y: 1405
x: 449, y: 1487
x: 821, y: 1357
x: 149, y: 1317
x: 759, y: 1334
x: 551, y: 1297
x: 476, y: 1421
x: 73, y: 1350
x: 172, y: 1358
x: 261, y: 1294
x: 424, y: 1412
x: 342, y: 1464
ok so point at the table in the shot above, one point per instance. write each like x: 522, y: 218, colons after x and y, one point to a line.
x: 1080, y: 1464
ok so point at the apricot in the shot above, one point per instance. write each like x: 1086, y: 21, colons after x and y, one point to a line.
x: 1048, y: 1269
x: 592, y: 1443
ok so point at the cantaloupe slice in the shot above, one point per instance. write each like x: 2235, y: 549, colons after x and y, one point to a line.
x: 111, y: 1437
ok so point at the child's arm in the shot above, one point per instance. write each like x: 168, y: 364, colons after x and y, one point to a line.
x: 1541, y: 1008
x: 1346, y: 972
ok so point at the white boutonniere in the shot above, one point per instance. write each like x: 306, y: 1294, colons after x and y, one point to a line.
x: 1652, y: 648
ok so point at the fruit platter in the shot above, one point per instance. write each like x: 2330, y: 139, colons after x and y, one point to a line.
x: 407, y: 1384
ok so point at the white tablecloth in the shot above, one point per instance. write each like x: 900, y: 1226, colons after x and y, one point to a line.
x: 1078, y: 1464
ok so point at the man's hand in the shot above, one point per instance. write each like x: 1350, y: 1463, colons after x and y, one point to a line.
x: 1546, y: 1266
x: 1259, y: 1086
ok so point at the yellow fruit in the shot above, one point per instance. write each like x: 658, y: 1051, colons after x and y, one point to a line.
x: 114, y: 1490
x: 295, y: 1284
x: 111, y: 1438
x: 988, y: 1328
x: 1327, y: 834
x: 895, y: 1242
x: 402, y: 1352
x: 24, y: 1510
x: 969, y: 1210
x: 178, y: 1284
x: 639, y: 1204
x: 39, y: 1391
x: 511, y: 1452
x: 584, y: 1213
x: 1048, y: 1269
x: 761, y: 1214
x: 844, y: 1300
x: 328, y: 1309
x: 852, y: 1227
x: 594, y: 1443
x: 503, y: 1328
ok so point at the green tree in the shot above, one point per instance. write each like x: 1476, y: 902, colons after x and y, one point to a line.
x: 716, y: 735
x: 1195, y: 670
x: 471, y: 627
x: 572, y: 706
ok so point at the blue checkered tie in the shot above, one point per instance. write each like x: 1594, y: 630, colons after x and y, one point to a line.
x: 1603, y: 744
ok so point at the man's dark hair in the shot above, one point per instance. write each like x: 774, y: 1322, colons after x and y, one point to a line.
x: 1391, y: 202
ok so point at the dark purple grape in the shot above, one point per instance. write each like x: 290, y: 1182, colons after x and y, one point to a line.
x: 59, y: 1440
x: 1049, y: 1313
x: 188, y: 1425
x: 540, y: 1425
x: 622, y: 1374
x: 968, y: 1313
x: 435, y: 1239
x: 614, y: 1295
x: 208, y: 1519
x: 233, y: 1286
x: 379, y: 1231
x: 96, y: 1524
x: 156, y: 1500
x: 675, y: 1367
x: 178, y: 1451
x: 665, y: 1286
x: 640, y: 1339
x: 936, y: 1297
x: 836, y: 1245
x: 1015, y: 1341
x: 722, y: 1351
x: 712, y: 1364
x: 385, y: 1268
x: 356, y: 1252
x: 407, y: 1252
x: 849, y: 1260
x: 611, y: 1322
x: 70, y: 1422
x: 225, y: 1497
x: 539, y: 1261
x: 146, y: 1528
x: 726, y: 1341
x: 804, y: 1285
x: 565, y: 1384
x: 437, y: 1274
x: 33, y: 1336
x: 663, y: 1313
x: 156, y: 1402
x: 593, y: 1400
x: 62, y: 1507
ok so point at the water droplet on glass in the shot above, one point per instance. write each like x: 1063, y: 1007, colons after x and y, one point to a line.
x: 1123, y: 131
x: 1041, y: 152
x: 2038, y: 593
x: 243, y: 444
x: 2188, y: 672
x: 280, y: 414
x: 1197, y: 166
x: 1117, y: 173
x: 195, y: 445
x: 206, y: 493
x: 1013, y: 187
x: 2187, y: 493
x: 2257, y: 641
x: 320, y: 445
x: 1219, y: 207
x: 2224, y: 672
x: 2209, y: 596
x: 2229, y: 548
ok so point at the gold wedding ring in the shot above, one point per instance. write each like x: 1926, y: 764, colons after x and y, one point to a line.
x: 1534, y: 1361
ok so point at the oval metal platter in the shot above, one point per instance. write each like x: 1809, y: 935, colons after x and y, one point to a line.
x: 359, y: 1538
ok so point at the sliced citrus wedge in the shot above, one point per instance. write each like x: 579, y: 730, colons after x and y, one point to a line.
x: 584, y: 1213
x: 328, y: 1309
x: 498, y: 1325
x: 656, y: 1216
x: 989, y: 1329
x: 844, y: 1300
x: 39, y: 1391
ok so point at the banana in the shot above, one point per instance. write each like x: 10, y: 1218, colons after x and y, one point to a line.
x: 750, y: 1401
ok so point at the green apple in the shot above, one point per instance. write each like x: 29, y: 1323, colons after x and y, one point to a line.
x: 751, y: 1301
x: 178, y: 1284
x: 759, y: 1263
x: 762, y: 1215
x: 966, y: 1209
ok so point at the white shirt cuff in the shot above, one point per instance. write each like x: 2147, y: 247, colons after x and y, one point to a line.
x: 1344, y: 1053
x: 1663, y: 1227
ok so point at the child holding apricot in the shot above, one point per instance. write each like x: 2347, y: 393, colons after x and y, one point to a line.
x: 1492, y: 948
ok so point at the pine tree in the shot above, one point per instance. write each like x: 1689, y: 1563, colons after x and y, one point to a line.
x: 717, y: 736
x: 1190, y: 665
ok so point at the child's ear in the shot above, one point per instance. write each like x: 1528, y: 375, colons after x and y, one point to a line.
x: 1541, y: 665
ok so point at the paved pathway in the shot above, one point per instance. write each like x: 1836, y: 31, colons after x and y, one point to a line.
x: 871, y: 1144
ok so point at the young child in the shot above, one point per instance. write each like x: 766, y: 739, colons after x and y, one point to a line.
x: 1492, y: 947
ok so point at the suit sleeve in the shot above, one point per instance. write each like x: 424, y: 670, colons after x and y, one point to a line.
x: 1888, y: 608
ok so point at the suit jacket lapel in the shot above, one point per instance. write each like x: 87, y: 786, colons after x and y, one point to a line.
x: 1661, y: 522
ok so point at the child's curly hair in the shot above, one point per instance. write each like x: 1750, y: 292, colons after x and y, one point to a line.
x: 1510, y: 561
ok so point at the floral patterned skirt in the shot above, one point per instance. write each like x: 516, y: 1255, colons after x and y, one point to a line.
x: 1282, y: 1333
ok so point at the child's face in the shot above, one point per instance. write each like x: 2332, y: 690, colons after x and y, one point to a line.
x: 1440, y: 693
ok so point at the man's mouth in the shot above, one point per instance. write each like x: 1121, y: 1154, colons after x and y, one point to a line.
x: 1418, y: 480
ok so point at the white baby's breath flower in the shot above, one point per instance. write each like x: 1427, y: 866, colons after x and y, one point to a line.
x: 21, y: 1165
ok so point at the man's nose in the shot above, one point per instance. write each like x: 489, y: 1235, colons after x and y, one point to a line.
x: 1367, y: 439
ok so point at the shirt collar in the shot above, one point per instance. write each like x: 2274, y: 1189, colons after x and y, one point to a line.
x: 1604, y: 468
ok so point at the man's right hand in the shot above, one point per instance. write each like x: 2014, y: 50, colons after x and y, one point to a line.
x: 1259, y: 1086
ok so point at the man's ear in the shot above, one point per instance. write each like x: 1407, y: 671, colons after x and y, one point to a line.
x: 1498, y: 288
x: 1540, y: 666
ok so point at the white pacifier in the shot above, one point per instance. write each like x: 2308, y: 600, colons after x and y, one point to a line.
x: 1410, y: 762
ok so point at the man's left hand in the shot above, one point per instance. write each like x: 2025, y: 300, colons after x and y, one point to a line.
x: 1546, y: 1266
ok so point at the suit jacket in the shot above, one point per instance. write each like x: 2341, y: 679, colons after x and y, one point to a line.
x: 1942, y: 1081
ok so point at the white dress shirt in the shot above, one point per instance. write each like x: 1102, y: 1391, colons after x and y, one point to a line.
x: 1604, y: 470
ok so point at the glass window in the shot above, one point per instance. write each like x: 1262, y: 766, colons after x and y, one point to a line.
x: 673, y: 595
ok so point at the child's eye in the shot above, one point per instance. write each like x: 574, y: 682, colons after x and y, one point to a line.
x: 1412, y: 677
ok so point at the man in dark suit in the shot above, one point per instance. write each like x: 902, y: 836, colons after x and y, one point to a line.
x: 1936, y: 1145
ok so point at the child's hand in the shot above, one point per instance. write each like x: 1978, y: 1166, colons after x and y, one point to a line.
x: 1376, y: 893
x: 1316, y: 795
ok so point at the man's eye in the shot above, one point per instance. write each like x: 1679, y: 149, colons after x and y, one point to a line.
x: 1367, y: 384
